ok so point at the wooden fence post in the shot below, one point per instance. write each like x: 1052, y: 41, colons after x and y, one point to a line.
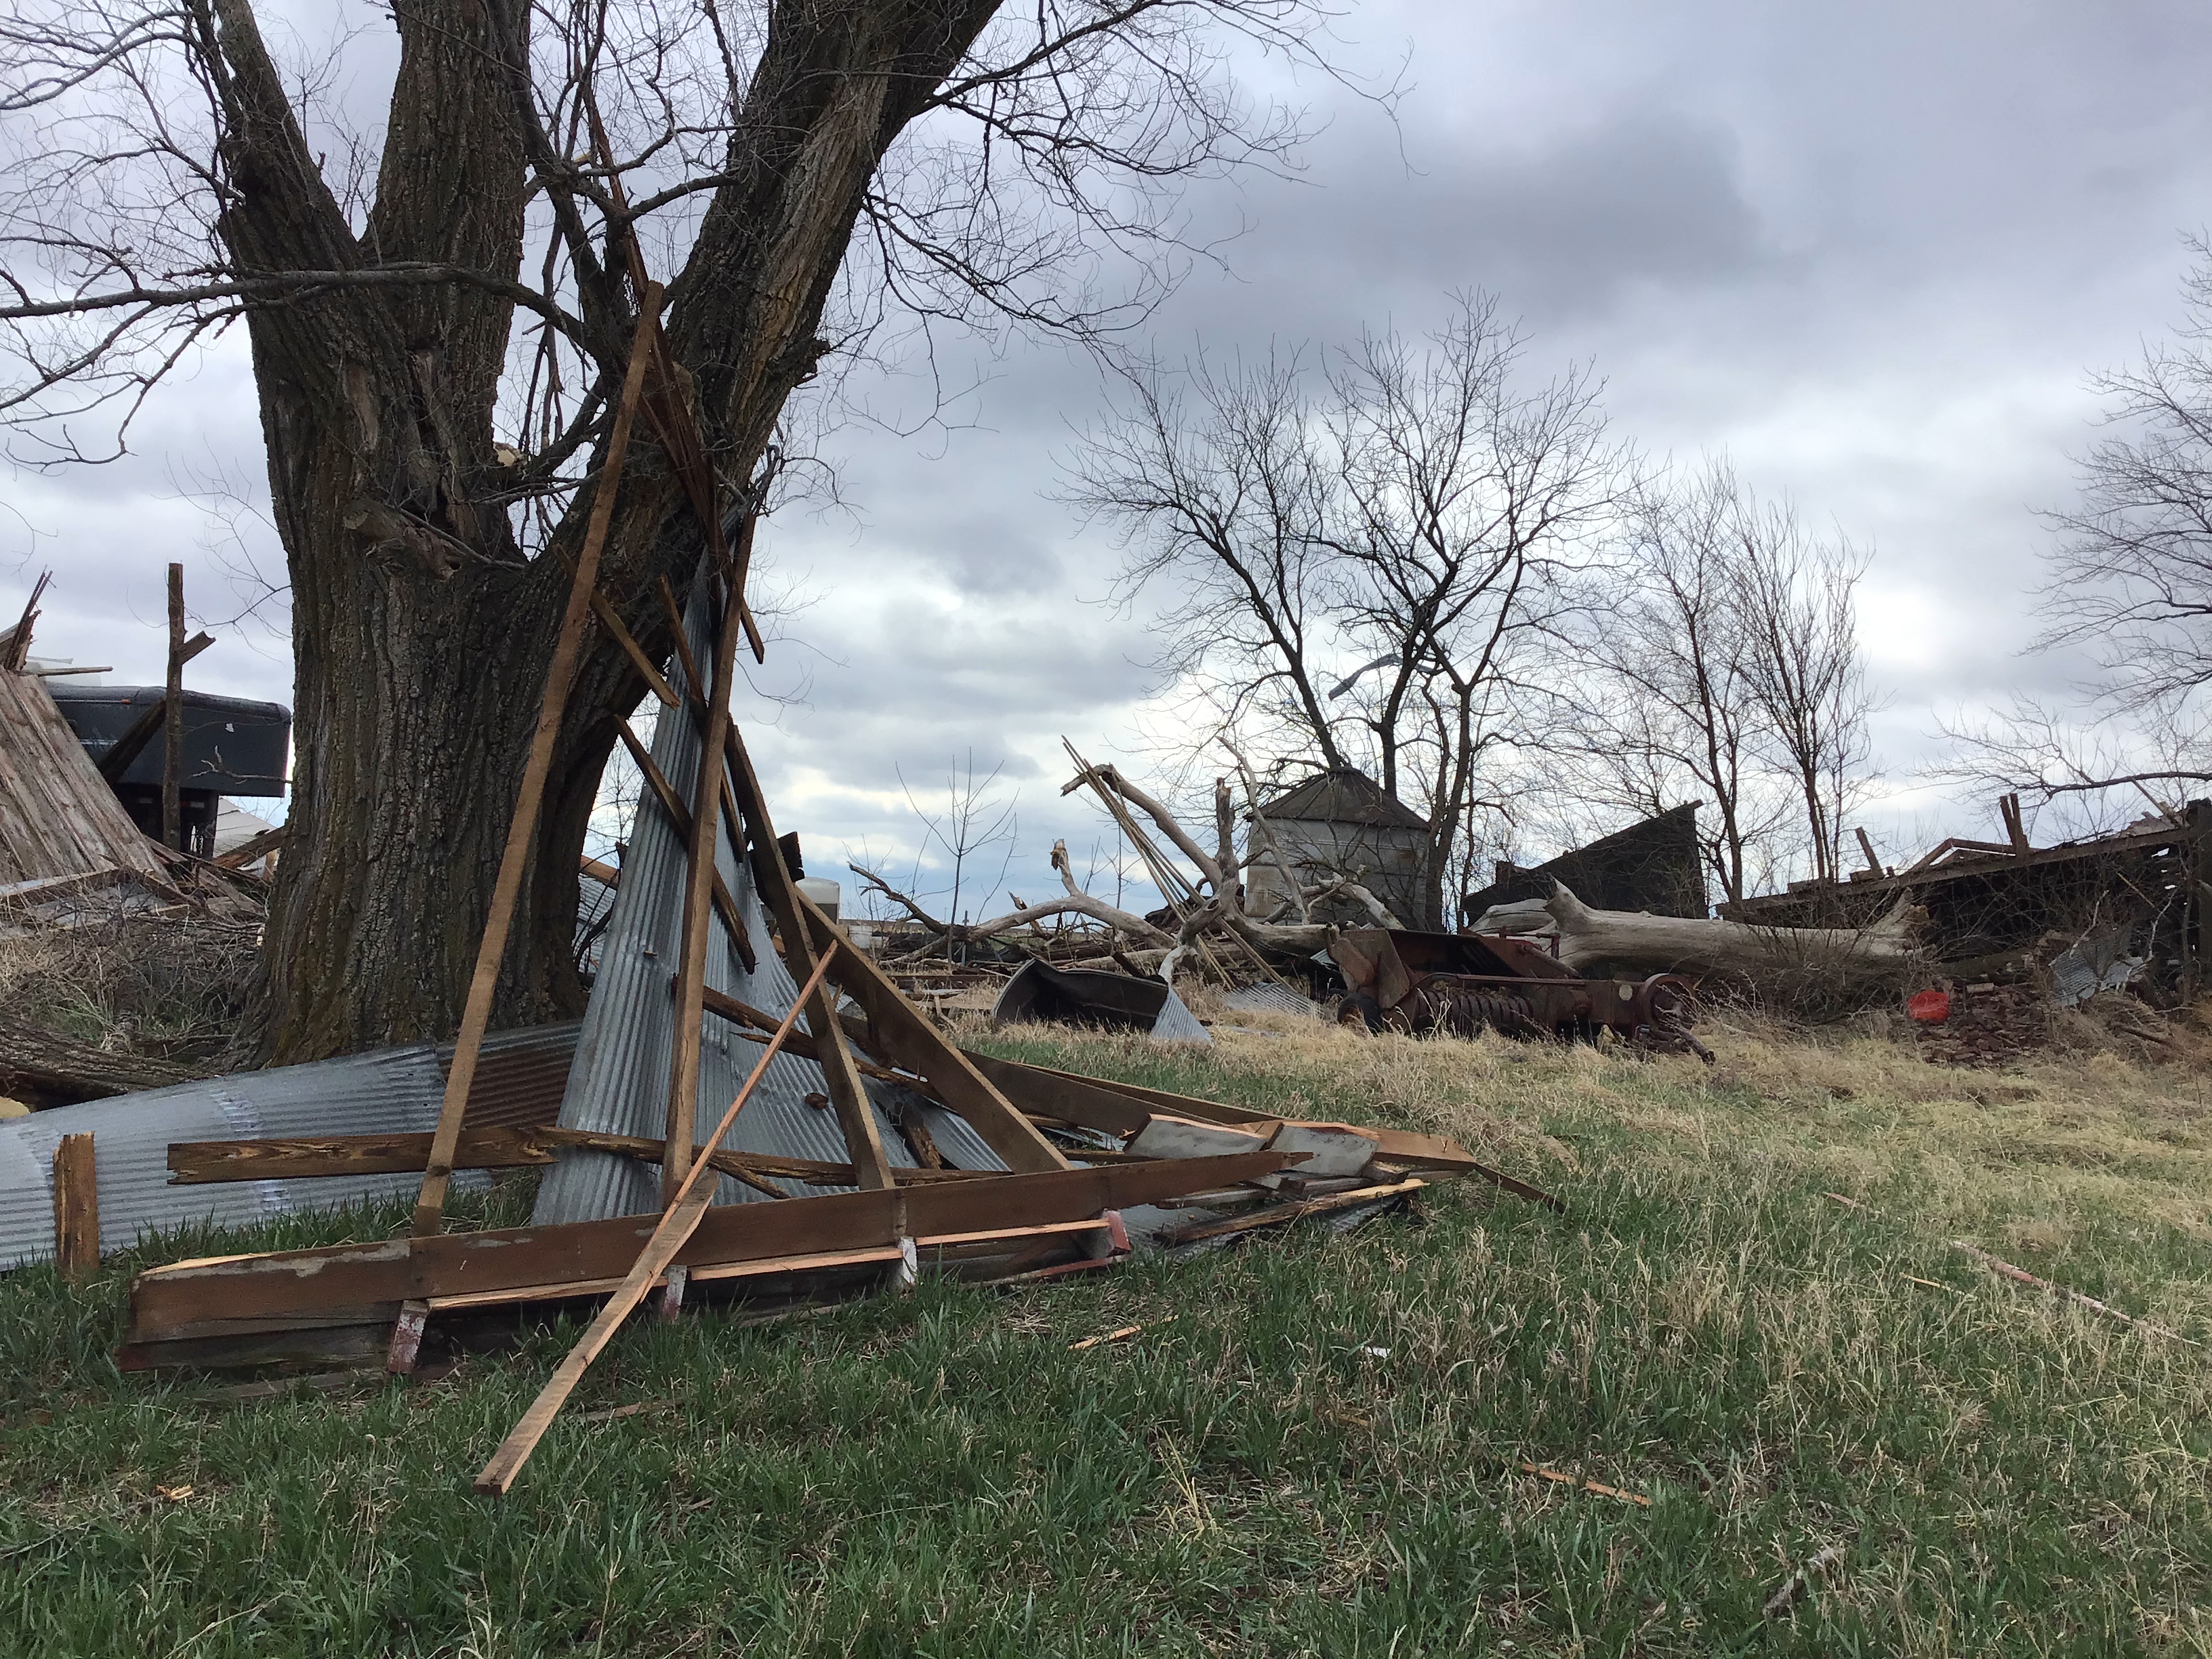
x: 77, y: 1208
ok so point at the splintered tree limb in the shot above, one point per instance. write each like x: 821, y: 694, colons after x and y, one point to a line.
x: 1076, y: 903
x: 1107, y: 777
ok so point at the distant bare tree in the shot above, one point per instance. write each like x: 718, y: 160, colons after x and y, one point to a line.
x: 2132, y: 579
x: 1806, y: 676
x: 1674, y: 715
x: 1401, y: 525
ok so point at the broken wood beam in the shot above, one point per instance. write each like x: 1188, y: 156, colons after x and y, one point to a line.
x: 173, y: 719
x: 702, y: 845
x: 1275, y: 1215
x: 522, y: 828
x: 680, y: 819
x: 772, y: 877
x: 251, y: 1292
x: 687, y: 1207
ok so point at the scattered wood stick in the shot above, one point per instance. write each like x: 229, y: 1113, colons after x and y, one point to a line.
x: 1829, y: 1557
x: 2021, y: 1276
x: 1847, y: 1203
x: 1125, y: 1332
x: 687, y: 1206
x: 1597, y: 1486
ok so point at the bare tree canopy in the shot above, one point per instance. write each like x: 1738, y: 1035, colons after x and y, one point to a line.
x: 1724, y: 643
x: 439, y: 316
x: 2131, y: 578
x: 1365, y: 562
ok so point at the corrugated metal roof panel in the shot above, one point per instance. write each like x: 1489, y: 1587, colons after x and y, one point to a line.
x: 619, y: 1085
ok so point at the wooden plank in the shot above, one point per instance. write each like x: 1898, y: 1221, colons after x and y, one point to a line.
x: 863, y: 1142
x: 293, y: 1158
x: 173, y: 718
x: 132, y: 744
x: 703, y: 844
x: 1275, y: 1215
x: 391, y: 1270
x: 798, y: 1264
x: 687, y: 1207
x: 522, y: 828
x: 77, y: 1208
x: 520, y: 1293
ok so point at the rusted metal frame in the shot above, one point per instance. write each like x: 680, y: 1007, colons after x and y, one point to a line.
x: 856, y: 1117
x: 321, y: 1284
x: 687, y: 1205
x: 680, y: 818
x: 703, y: 844
x: 430, y: 1206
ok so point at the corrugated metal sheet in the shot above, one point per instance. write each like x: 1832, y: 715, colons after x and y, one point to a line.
x: 391, y: 1091
x: 620, y: 1082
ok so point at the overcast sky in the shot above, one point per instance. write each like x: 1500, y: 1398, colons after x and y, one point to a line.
x: 1872, y: 251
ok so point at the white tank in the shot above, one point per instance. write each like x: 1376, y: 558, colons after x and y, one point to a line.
x: 825, y: 893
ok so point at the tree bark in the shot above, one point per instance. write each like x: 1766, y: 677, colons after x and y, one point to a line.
x: 1687, y: 945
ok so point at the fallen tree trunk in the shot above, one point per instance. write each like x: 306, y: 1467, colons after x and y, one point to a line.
x: 43, y: 1069
x: 1691, y: 944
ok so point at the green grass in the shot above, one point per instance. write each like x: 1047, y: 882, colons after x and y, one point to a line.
x: 939, y: 1474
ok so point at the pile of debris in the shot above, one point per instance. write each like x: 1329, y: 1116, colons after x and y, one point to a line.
x: 752, y: 1110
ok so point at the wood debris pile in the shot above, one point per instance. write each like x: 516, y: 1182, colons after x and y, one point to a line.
x: 952, y: 1162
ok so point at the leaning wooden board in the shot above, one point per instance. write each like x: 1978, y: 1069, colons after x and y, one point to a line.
x: 178, y: 1301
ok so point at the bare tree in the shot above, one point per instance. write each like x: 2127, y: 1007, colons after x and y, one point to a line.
x: 1364, y: 563
x: 970, y: 825
x: 1807, y: 677
x: 2132, y: 579
x: 1673, y: 713
x: 439, y: 316
x: 1464, y: 505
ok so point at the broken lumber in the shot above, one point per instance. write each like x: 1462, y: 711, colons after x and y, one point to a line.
x: 686, y: 1207
x: 522, y: 828
x: 2021, y: 1276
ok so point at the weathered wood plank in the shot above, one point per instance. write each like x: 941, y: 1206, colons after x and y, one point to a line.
x: 451, y: 1264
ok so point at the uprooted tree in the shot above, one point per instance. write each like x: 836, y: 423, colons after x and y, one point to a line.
x: 439, y: 319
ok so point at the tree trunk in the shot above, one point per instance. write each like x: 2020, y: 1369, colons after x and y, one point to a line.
x: 421, y: 633
x: 1637, y: 941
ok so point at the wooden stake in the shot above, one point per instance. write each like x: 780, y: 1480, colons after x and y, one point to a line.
x: 704, y: 843
x: 173, y: 718
x: 430, y: 1206
x: 2021, y: 1276
x: 687, y: 1204
x: 77, y: 1208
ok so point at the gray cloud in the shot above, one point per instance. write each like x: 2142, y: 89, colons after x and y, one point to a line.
x: 1871, y: 251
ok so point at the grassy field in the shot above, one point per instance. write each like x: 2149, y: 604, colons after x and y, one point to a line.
x: 1322, y: 1454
